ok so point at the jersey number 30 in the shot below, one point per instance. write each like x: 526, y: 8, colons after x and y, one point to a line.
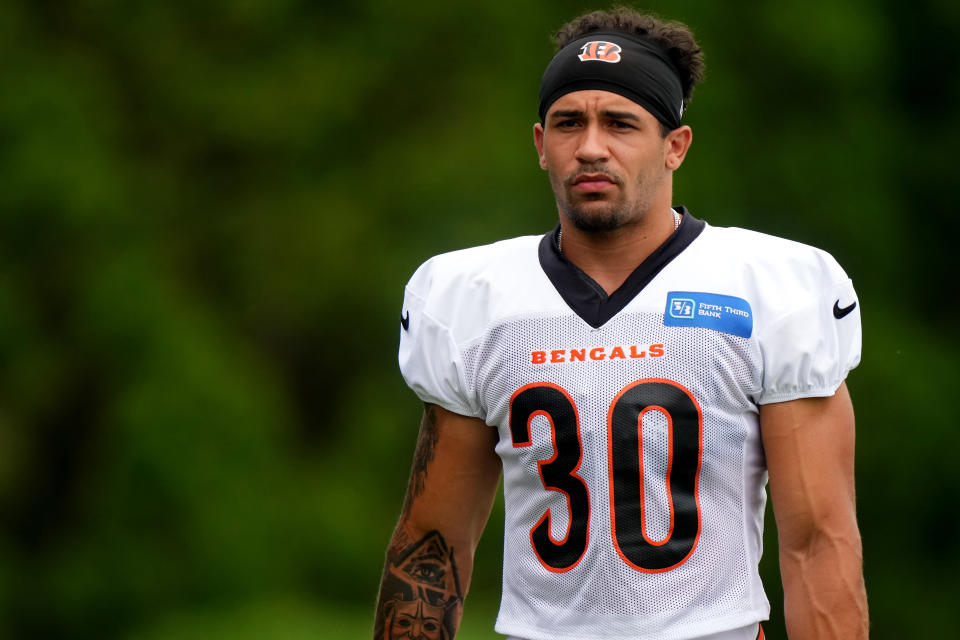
x: 625, y: 468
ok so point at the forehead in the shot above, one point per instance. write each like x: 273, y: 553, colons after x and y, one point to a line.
x: 597, y: 100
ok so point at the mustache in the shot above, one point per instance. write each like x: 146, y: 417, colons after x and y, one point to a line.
x: 593, y: 170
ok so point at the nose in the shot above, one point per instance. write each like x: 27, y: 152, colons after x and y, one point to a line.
x: 592, y: 146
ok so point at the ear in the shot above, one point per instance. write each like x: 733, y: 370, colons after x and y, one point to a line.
x: 538, y: 141
x: 676, y: 144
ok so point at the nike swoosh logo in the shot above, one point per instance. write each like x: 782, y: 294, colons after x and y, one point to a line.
x: 405, y: 321
x: 839, y: 313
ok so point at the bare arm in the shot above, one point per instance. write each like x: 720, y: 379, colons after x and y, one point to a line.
x: 452, y: 486
x: 809, y: 445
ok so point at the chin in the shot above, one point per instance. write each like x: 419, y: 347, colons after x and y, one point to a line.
x: 598, y: 219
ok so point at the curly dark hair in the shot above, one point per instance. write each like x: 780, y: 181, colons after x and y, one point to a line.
x: 675, y: 38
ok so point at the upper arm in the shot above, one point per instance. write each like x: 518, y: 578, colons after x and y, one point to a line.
x: 809, y: 445
x: 454, y: 476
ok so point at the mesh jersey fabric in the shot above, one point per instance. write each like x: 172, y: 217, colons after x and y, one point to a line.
x: 634, y: 477
x: 749, y: 632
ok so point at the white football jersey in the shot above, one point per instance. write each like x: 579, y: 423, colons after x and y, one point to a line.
x: 634, y: 476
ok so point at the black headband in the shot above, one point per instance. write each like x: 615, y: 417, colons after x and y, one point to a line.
x: 620, y: 63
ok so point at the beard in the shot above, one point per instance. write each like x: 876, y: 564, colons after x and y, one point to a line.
x: 600, y: 212
x: 596, y: 219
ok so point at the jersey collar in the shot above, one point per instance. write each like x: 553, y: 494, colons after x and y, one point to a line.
x: 587, y: 298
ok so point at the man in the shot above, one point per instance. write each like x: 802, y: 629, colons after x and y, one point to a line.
x: 638, y: 373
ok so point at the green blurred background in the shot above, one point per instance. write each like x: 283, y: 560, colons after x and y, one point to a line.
x: 208, y: 212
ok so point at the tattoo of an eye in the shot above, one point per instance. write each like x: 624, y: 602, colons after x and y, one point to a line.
x: 420, y: 598
x: 426, y: 444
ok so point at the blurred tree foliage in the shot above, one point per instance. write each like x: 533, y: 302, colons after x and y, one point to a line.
x: 207, y: 215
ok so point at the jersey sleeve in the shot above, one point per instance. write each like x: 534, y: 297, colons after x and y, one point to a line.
x: 808, y: 351
x: 430, y: 361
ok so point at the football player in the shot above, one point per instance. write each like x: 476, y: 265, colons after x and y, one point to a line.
x: 636, y: 375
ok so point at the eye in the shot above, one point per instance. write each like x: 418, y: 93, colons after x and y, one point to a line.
x: 428, y: 572
x: 566, y: 124
x: 620, y: 124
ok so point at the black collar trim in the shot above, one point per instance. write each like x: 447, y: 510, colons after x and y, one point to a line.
x: 587, y: 298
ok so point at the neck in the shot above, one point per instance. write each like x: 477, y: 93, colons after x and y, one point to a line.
x: 610, y: 257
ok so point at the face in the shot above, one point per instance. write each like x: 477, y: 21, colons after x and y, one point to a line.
x: 416, y: 621
x: 607, y: 160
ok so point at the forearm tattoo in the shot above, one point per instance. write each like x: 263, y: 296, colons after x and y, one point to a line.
x: 420, y: 597
x: 426, y: 444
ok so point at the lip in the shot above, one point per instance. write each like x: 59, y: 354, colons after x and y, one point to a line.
x: 593, y: 177
x: 592, y: 182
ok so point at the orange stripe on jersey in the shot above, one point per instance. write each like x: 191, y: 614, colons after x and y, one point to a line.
x: 760, y: 635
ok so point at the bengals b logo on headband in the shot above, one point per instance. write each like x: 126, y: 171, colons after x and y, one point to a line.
x: 600, y: 50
